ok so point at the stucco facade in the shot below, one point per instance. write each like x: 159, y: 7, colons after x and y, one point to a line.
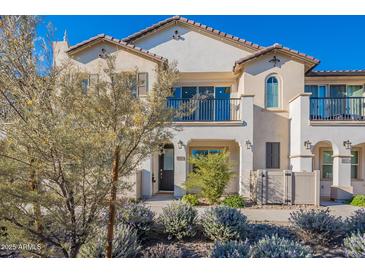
x: 264, y: 105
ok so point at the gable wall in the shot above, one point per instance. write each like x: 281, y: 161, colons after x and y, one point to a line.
x: 88, y: 60
x: 194, y: 52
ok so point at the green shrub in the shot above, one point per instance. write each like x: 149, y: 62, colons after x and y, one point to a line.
x: 210, y: 176
x: 231, y: 249
x: 190, y: 199
x: 163, y: 251
x: 138, y: 216
x: 317, y: 226
x: 178, y: 220
x: 125, y: 244
x: 235, y: 201
x: 224, y: 223
x: 276, y: 247
x: 358, y: 200
x: 355, y: 245
x: 356, y: 222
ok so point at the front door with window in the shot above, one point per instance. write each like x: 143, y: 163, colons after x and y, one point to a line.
x: 166, y: 169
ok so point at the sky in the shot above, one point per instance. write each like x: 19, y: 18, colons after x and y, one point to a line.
x: 337, y: 41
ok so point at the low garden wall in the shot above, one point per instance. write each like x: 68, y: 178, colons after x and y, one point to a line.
x: 285, y: 187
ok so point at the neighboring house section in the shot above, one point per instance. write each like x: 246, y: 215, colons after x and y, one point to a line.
x: 265, y: 105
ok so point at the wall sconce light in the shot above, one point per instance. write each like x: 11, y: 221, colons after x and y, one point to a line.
x: 180, y: 144
x: 347, y: 144
x: 176, y: 35
x: 248, y: 144
x: 308, y: 144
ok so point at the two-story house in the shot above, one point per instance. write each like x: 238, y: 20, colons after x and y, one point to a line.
x: 266, y: 105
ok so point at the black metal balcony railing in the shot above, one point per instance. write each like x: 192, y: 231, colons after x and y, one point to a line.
x: 337, y: 109
x: 208, y: 109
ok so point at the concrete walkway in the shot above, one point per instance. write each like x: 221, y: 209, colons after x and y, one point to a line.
x: 272, y: 215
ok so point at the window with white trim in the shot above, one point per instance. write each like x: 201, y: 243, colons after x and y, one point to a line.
x: 272, y: 92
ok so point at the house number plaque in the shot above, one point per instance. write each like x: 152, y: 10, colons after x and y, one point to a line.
x: 346, y: 160
x: 180, y: 158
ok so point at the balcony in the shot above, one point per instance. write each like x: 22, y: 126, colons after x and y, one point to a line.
x: 207, y: 110
x: 337, y: 109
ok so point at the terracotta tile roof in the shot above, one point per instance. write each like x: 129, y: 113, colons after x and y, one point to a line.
x: 181, y: 19
x: 279, y: 47
x: 320, y: 73
x: 119, y: 42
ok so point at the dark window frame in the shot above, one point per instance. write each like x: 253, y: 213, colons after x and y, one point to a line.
x: 271, y: 162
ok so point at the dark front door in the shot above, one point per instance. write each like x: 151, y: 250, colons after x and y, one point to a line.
x: 166, y: 169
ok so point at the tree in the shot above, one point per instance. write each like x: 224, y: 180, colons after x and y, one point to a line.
x: 54, y: 170
x: 211, y: 175
x: 65, y: 151
x: 137, y: 126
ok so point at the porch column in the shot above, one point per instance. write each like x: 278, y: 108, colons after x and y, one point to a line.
x: 301, y: 156
x: 145, y: 178
x: 246, y: 144
x: 301, y: 162
x: 341, y: 187
x: 180, y: 168
x: 246, y: 165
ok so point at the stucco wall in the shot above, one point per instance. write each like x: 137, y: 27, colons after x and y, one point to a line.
x: 233, y: 149
x: 88, y: 60
x: 358, y: 184
x: 194, y: 51
x: 272, y: 125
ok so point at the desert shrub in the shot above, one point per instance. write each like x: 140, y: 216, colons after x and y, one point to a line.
x: 355, y: 245
x: 210, y: 176
x: 125, y: 244
x: 257, y: 231
x: 178, y: 220
x: 138, y: 216
x: 224, y: 223
x: 276, y: 247
x: 317, y: 226
x: 190, y: 199
x: 358, y: 200
x: 356, y: 222
x: 163, y: 251
x: 235, y: 201
x: 230, y: 249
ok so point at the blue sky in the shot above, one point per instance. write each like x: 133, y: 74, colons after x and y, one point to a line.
x: 338, y: 41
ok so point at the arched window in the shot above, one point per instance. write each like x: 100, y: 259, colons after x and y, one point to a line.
x: 272, y: 92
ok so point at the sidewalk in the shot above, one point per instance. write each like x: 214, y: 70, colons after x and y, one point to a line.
x: 279, y: 216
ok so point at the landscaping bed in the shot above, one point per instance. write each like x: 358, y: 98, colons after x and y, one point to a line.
x: 200, y: 246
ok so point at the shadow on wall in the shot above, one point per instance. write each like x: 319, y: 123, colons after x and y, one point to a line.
x: 270, y: 127
x: 265, y: 65
x: 92, y: 53
x: 177, y: 33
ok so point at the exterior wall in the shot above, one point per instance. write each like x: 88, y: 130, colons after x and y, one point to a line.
x: 357, y: 184
x: 272, y: 125
x: 234, y: 156
x: 285, y: 187
x: 204, y: 59
x: 210, y: 79
x: 239, y: 132
x: 354, y: 80
x: 88, y: 60
x: 334, y: 133
x: 194, y: 51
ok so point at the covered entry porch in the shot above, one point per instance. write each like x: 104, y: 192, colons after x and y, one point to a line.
x: 170, y: 166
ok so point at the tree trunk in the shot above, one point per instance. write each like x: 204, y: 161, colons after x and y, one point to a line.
x: 113, y: 197
x: 36, y: 206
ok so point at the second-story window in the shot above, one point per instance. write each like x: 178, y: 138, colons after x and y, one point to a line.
x: 85, y: 85
x: 272, y: 92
